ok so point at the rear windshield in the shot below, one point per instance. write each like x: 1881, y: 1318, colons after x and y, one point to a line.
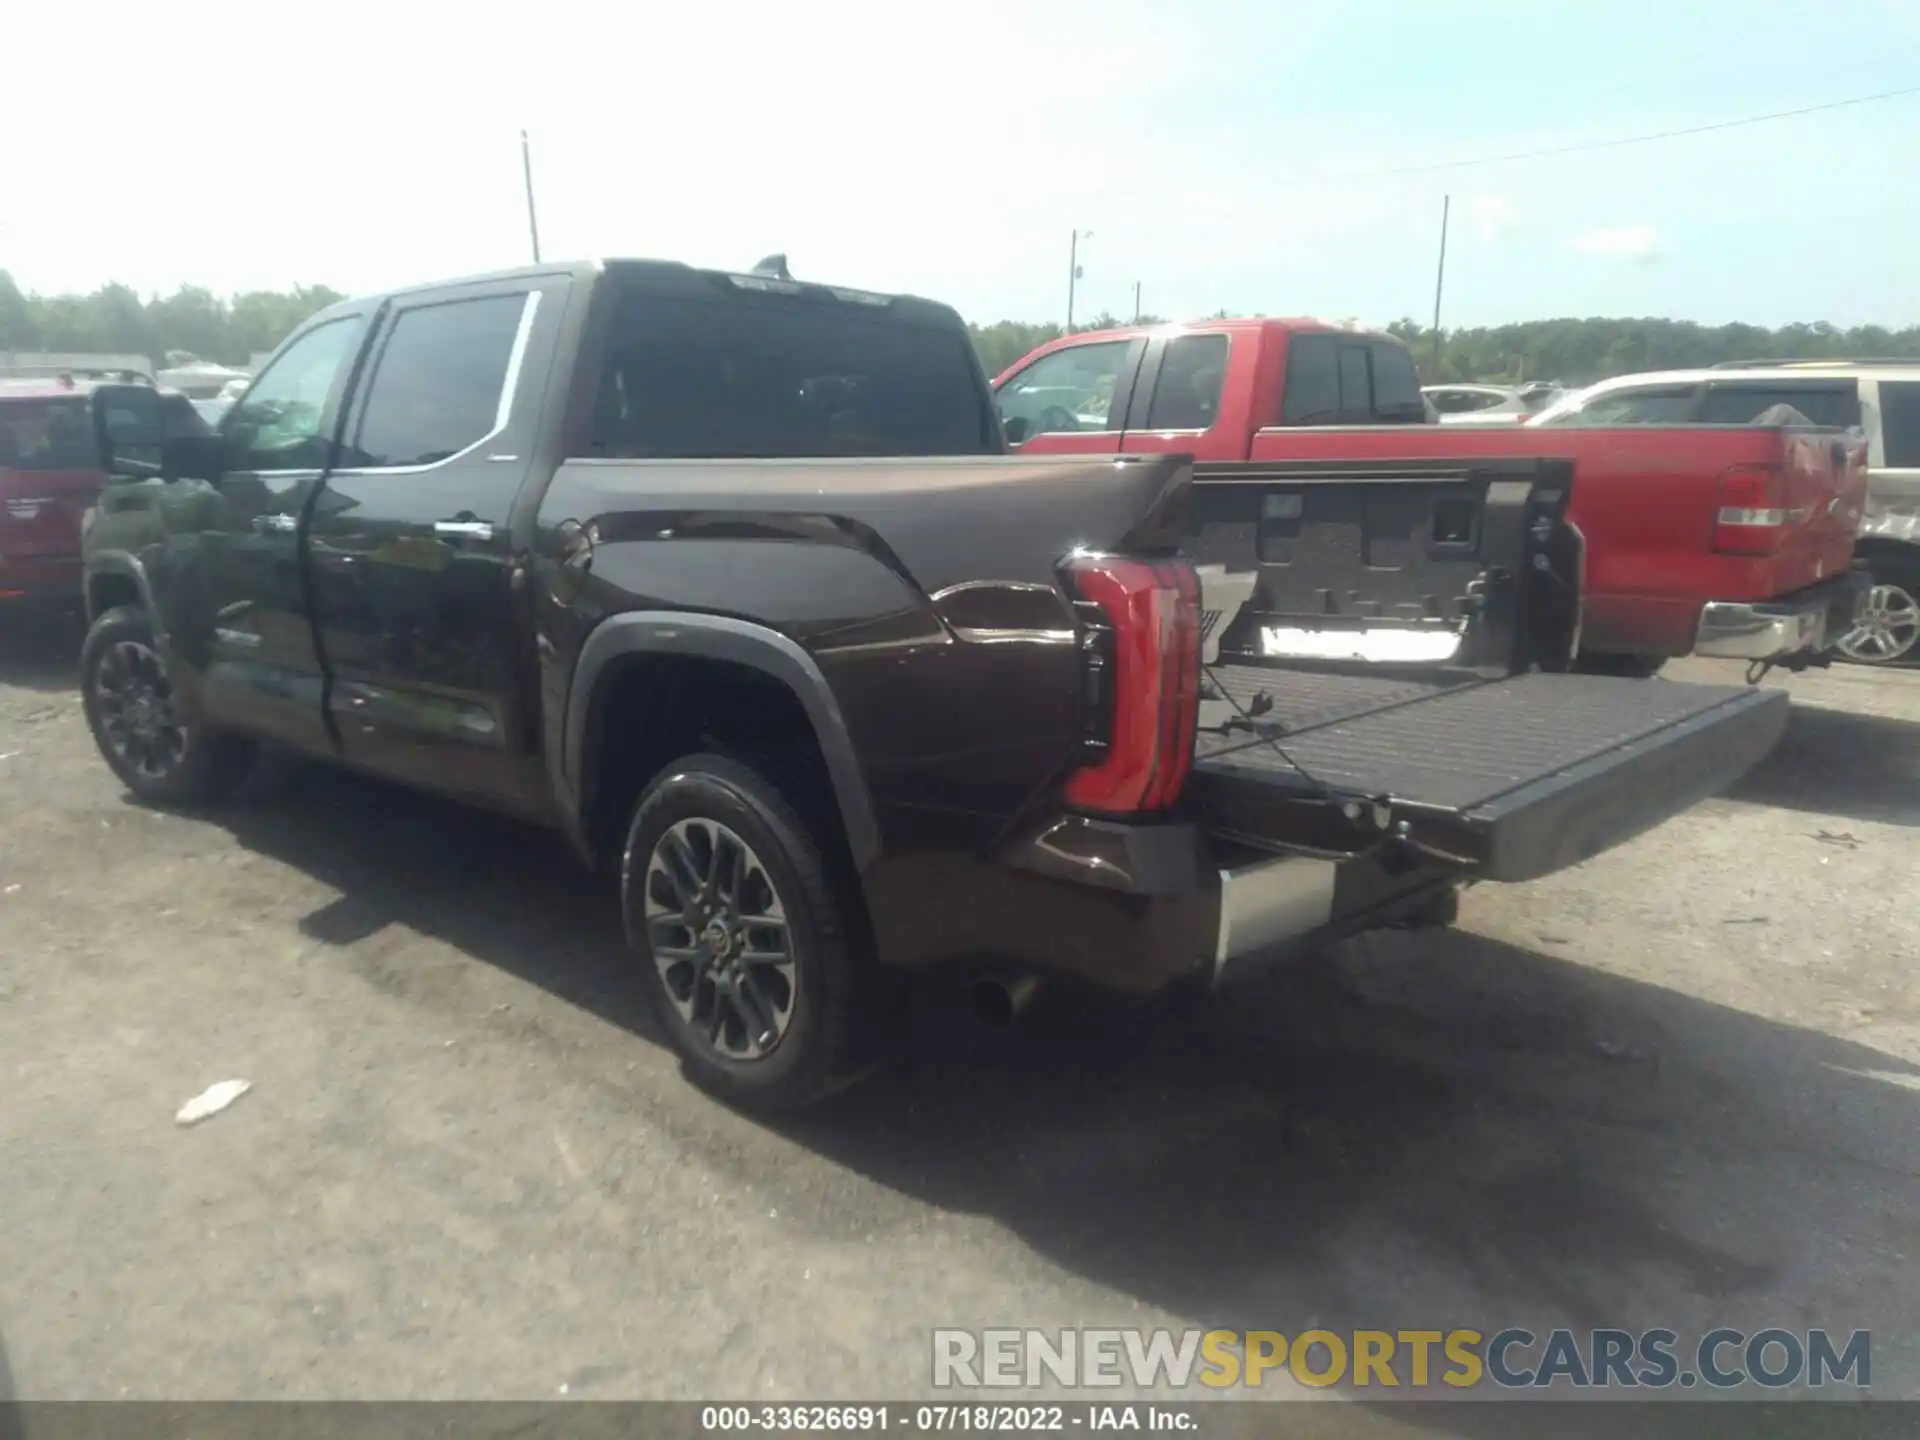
x: 752, y: 375
x: 51, y: 434
x: 1350, y: 380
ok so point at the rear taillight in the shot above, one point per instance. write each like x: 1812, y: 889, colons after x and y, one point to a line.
x: 1140, y: 681
x: 1755, y: 510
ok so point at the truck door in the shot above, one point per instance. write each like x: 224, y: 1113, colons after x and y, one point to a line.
x: 1072, y: 400
x: 226, y: 576
x: 1178, y: 402
x: 410, y: 548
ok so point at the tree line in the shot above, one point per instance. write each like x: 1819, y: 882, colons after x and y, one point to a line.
x: 116, y: 320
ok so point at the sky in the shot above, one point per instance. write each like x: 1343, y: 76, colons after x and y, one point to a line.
x: 1224, y: 154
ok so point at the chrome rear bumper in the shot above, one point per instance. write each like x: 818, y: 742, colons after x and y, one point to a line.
x: 1806, y: 623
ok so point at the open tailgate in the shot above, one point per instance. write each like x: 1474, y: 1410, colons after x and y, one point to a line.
x: 1468, y: 753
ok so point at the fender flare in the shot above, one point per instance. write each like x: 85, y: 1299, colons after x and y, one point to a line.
x: 740, y: 642
x: 126, y: 565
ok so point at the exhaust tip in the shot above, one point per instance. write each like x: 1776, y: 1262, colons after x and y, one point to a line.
x: 998, y: 999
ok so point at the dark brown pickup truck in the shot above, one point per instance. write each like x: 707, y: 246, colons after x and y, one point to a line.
x: 729, y: 578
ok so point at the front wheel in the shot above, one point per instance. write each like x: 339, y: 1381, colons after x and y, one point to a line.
x: 159, y: 751
x: 1886, y: 627
x: 749, y: 960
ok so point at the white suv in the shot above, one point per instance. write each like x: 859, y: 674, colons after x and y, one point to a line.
x: 1879, y: 397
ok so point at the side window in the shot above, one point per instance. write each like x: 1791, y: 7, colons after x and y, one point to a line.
x: 277, y: 427
x: 1834, y: 405
x: 1313, y: 381
x: 1900, y: 423
x: 438, y: 384
x: 1187, y: 395
x: 1634, y: 407
x: 1069, y: 390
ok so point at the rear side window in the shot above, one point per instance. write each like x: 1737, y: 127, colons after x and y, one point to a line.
x: 1187, y: 396
x: 1900, y: 423
x: 747, y: 374
x: 1834, y: 405
x: 46, y: 435
x: 1672, y: 406
x: 439, y: 385
x: 1338, y: 380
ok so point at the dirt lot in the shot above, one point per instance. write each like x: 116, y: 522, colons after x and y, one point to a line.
x: 1678, y: 1086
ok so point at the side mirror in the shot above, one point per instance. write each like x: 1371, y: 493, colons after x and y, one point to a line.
x: 1017, y: 429
x: 132, y: 437
x: 128, y: 430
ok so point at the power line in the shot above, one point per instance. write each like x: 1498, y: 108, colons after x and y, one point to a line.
x: 1628, y: 139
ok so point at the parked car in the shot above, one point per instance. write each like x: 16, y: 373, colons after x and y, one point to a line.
x: 1478, y: 404
x: 1703, y: 539
x: 1879, y: 398
x: 730, y: 578
x: 49, y: 475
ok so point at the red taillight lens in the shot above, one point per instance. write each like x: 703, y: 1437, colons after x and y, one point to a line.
x: 1143, y: 679
x: 1754, y: 510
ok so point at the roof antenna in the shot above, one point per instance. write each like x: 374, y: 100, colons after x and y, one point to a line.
x: 774, y: 265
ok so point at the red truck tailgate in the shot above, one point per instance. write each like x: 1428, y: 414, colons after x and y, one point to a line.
x: 1648, y: 499
x: 40, y: 511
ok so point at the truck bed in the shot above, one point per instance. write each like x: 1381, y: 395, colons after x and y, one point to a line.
x: 1520, y: 776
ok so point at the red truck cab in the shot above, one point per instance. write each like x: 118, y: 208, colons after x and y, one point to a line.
x: 1728, y: 540
x: 49, y: 476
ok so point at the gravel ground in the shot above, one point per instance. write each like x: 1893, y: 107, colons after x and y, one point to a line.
x: 1676, y: 1086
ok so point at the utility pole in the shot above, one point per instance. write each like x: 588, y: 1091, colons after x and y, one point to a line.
x: 1073, y: 268
x: 1136, y: 302
x: 1439, y: 281
x: 526, y: 169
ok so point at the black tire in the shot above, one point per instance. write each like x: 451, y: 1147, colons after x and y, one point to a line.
x: 202, y: 768
x: 1626, y: 667
x: 828, y: 993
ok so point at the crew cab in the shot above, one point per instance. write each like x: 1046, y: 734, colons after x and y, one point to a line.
x: 1718, y: 539
x: 729, y: 578
x: 49, y: 475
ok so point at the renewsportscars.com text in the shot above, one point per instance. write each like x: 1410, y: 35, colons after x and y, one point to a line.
x: 1512, y: 1358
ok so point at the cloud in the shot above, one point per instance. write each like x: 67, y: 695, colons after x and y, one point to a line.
x: 1492, y: 215
x: 1629, y: 242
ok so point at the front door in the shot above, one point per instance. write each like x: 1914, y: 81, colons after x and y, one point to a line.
x: 227, y: 575
x: 410, y: 547
x: 1071, y: 401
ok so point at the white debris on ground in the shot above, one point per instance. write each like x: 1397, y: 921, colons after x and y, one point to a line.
x: 211, y: 1101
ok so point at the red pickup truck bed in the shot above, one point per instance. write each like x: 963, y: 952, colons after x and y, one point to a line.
x: 1726, y: 540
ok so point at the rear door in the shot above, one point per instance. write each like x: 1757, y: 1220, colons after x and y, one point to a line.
x: 1071, y: 400
x: 1893, y: 487
x: 1192, y: 396
x: 410, y: 546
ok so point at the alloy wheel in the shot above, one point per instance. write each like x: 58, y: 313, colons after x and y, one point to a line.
x: 1886, y: 626
x: 718, y: 933
x: 134, y: 701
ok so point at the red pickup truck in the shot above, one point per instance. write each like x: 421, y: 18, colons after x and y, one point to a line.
x: 1733, y: 541
x: 50, y: 474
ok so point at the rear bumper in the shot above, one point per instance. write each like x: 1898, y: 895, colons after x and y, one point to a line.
x: 1808, y: 622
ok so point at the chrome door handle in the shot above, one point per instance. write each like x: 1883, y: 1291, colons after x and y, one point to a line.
x: 464, y: 529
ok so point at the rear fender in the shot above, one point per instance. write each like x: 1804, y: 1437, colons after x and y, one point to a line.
x: 718, y: 637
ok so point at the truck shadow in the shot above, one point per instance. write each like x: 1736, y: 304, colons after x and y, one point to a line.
x: 41, y: 652
x: 1424, y: 1131
x: 1841, y: 762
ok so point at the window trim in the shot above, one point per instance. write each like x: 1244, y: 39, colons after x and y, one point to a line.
x: 509, y: 384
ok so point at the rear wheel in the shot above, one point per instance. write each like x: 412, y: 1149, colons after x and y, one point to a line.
x: 750, y: 961
x: 161, y: 752
x: 1887, y: 625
